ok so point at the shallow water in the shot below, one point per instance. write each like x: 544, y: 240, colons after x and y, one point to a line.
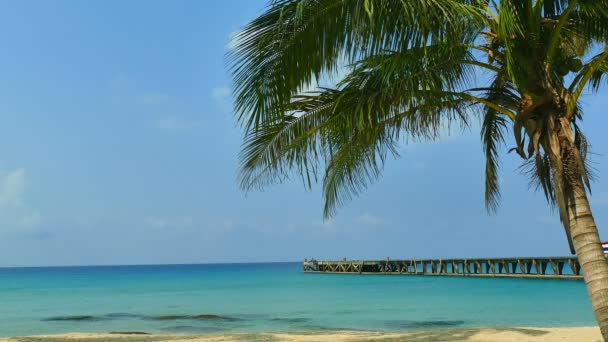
x: 272, y: 298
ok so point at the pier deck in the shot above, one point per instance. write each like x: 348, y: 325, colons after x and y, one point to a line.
x: 542, y: 267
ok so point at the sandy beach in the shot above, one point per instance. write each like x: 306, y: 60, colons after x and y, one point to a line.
x: 591, y: 334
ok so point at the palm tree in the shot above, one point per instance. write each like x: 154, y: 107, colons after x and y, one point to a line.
x: 410, y: 73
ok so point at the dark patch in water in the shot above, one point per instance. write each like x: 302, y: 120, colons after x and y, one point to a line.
x: 424, y: 324
x: 292, y: 320
x: 128, y: 333
x: 72, y: 318
x: 203, y: 317
x: 169, y: 317
x: 113, y: 315
x: 254, y: 317
x: 122, y: 315
x: 213, y: 317
x: 193, y: 329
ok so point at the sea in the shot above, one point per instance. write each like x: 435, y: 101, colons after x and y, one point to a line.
x: 273, y: 297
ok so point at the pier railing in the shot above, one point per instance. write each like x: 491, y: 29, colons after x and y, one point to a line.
x: 544, y: 267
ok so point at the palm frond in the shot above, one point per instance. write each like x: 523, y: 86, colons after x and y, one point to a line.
x: 356, y: 161
x: 492, y: 132
x: 590, y: 20
x: 274, y: 150
x: 294, y: 43
x: 410, y: 74
x: 378, y: 103
x: 583, y: 151
x: 599, y: 76
x: 538, y: 172
x: 589, y: 71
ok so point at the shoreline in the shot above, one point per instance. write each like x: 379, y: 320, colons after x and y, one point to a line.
x: 522, y: 334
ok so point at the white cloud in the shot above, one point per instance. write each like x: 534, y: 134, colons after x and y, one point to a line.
x: 14, y: 212
x: 12, y: 187
x: 327, y: 226
x: 175, y: 222
x: 155, y: 98
x: 227, y: 225
x: 175, y: 123
x: 221, y: 96
x: 232, y: 40
x: 291, y: 227
x: 30, y: 219
x: 220, y: 92
x: 156, y: 222
x: 368, y: 219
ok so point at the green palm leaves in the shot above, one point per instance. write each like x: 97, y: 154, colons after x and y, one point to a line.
x: 411, y: 68
x: 294, y: 42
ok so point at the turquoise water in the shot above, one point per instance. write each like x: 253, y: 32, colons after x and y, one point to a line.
x: 272, y: 298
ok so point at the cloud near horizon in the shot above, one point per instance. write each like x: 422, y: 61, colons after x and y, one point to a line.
x: 221, y: 96
x: 177, y: 222
x: 14, y: 212
x: 155, y: 98
x: 176, y: 123
x: 368, y: 219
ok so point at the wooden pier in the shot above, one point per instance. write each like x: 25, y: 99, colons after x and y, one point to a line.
x: 544, y: 267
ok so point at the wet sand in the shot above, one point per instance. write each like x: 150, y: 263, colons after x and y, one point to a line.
x: 582, y: 334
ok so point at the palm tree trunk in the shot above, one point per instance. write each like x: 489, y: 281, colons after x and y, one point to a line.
x: 590, y: 254
x: 568, y: 172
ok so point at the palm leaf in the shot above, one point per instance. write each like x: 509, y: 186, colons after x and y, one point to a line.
x: 379, y: 95
x: 294, y: 43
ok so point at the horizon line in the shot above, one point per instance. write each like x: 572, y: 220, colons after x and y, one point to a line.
x: 154, y: 264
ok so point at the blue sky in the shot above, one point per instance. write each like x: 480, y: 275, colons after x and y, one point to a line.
x: 118, y: 146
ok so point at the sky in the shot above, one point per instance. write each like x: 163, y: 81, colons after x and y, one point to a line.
x: 118, y: 145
